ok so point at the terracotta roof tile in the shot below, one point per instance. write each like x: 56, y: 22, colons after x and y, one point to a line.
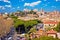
x: 50, y: 22
x: 51, y: 32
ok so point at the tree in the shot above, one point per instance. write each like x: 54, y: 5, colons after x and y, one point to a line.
x: 18, y: 22
x: 32, y: 30
x: 12, y: 16
x: 57, y: 28
x: 27, y: 24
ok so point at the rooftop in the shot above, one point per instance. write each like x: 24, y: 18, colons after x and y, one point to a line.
x: 50, y: 22
x: 51, y: 31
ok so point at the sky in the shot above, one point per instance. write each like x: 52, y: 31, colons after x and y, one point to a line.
x: 14, y: 5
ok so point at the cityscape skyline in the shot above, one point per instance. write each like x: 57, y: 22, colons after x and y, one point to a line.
x: 14, y: 5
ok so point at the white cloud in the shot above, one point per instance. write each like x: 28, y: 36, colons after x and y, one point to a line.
x: 8, y: 6
x: 53, y: 6
x: 5, y: 1
x: 0, y: 0
x: 32, y: 4
x: 57, y: 0
x: 18, y: 7
x: 2, y: 7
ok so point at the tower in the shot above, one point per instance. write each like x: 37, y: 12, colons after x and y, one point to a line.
x: 42, y: 11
